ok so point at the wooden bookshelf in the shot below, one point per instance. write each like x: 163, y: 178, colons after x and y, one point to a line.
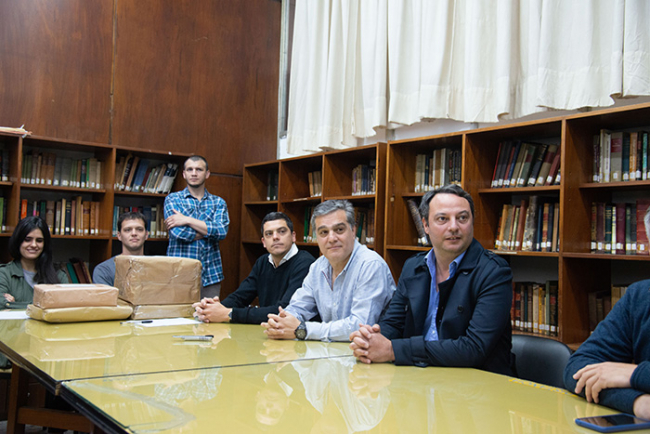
x: 577, y: 270
x: 294, y: 198
x: 92, y: 248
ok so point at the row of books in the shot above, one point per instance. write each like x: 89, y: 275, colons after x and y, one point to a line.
x: 618, y: 228
x: 440, y: 168
x: 364, y: 179
x: 45, y: 168
x: 315, y: 183
x: 601, y: 302
x: 535, y: 307
x: 154, y: 216
x: 4, y: 165
x: 140, y: 175
x: 523, y: 164
x: 272, y: 185
x: 531, y: 226
x: 620, y: 156
x: 76, y: 270
x: 65, y: 216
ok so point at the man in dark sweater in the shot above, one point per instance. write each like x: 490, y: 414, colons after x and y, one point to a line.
x: 612, y: 367
x: 273, y: 279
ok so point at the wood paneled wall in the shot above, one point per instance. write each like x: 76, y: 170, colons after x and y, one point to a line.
x: 198, y: 76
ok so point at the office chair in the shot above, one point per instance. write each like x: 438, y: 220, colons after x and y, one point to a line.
x: 539, y: 359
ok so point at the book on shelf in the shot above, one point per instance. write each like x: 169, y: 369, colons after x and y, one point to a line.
x: 138, y: 177
x: 5, y: 165
x: 309, y: 234
x: 422, y: 238
x: 616, y: 157
x: 545, y: 168
x: 2, y: 214
x: 272, y: 185
x: 513, y: 164
x: 642, y: 247
x: 540, y: 155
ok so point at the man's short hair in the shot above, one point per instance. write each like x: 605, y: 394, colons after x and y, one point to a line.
x: 447, y: 189
x: 277, y: 216
x: 330, y: 206
x: 131, y: 215
x: 197, y: 158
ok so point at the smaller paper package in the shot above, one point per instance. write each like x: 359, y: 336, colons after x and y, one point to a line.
x: 55, y: 296
x: 157, y: 280
x: 151, y: 311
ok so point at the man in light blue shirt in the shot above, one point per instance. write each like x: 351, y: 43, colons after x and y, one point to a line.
x: 347, y: 286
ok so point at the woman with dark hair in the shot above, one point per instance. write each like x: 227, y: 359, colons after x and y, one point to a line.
x: 30, y: 246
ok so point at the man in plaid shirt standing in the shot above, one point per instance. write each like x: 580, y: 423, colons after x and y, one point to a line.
x: 196, y: 221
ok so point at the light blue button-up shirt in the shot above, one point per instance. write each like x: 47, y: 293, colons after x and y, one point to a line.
x: 434, y: 298
x: 358, y: 296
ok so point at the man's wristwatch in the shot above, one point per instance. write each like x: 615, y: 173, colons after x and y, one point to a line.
x: 301, y: 331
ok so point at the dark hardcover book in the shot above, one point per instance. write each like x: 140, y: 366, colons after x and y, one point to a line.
x: 616, y: 158
x: 600, y: 227
x: 609, y: 221
x: 545, y: 169
x: 620, y: 229
x: 5, y: 165
x: 505, y: 169
x: 641, y: 236
x: 540, y: 155
x: 138, y: 178
x: 625, y: 158
x: 495, y: 172
x: 423, y: 240
x: 644, y: 164
x: 595, y: 167
x: 72, y: 274
x: 629, y: 250
x: 68, y: 217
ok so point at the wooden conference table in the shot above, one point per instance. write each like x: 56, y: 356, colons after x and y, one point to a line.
x: 131, y: 378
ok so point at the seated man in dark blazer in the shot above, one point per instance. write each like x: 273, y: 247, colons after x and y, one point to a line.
x: 452, y: 304
x: 273, y: 279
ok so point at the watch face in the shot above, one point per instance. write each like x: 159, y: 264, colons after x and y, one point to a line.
x: 301, y: 334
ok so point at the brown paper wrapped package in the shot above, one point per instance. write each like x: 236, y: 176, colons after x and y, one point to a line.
x: 121, y: 310
x: 144, y: 280
x: 151, y: 311
x: 54, y: 296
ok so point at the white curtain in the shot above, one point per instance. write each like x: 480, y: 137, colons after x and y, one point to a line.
x: 361, y: 65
